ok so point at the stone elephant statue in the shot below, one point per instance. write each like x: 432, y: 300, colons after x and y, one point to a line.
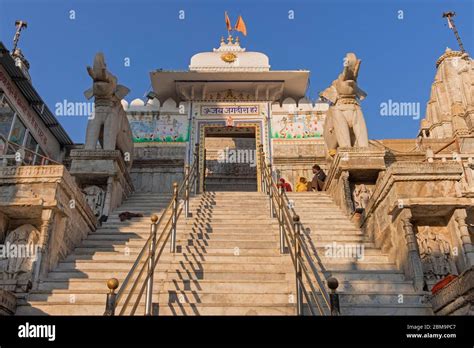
x: 109, y: 124
x: 345, y: 124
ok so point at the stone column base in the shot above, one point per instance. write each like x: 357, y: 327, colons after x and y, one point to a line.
x: 105, y: 169
x: 7, y: 302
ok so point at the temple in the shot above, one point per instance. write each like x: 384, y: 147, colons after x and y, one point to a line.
x: 187, y: 185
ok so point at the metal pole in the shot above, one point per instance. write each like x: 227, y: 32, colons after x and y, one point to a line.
x: 299, y: 294
x: 270, y: 192
x: 196, y: 168
x: 449, y: 16
x: 262, y: 167
x: 110, y: 304
x: 186, y: 191
x: 334, y: 296
x: 174, y: 218
x: 280, y: 220
x: 151, y: 260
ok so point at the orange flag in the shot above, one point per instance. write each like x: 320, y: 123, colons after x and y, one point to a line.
x: 240, y: 26
x: 227, y: 22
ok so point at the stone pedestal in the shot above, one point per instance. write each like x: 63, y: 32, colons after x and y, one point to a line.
x: 7, y: 302
x: 104, y: 169
x: 350, y: 168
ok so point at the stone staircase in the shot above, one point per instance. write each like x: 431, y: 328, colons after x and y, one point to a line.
x: 227, y: 262
x: 77, y: 286
x: 371, y: 285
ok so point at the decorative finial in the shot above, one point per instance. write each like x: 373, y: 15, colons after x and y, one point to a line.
x: 222, y: 40
x: 237, y: 41
x: 229, y: 40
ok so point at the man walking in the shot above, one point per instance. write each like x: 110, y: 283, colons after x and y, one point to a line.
x: 319, y: 177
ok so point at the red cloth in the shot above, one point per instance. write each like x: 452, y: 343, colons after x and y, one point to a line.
x: 442, y: 283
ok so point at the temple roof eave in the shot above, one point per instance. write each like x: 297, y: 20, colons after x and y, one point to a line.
x: 193, y: 85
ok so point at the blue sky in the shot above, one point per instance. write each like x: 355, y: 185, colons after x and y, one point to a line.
x: 398, y: 55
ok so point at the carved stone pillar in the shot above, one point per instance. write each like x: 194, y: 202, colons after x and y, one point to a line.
x: 465, y: 237
x: 46, y: 218
x: 413, y: 253
x: 347, y: 192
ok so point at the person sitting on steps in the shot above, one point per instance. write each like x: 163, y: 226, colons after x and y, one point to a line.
x: 319, y: 177
x: 286, y: 186
x: 302, y: 185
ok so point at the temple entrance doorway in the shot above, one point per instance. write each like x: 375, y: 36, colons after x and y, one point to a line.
x: 230, y: 158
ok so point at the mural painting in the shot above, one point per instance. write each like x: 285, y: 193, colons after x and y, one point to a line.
x: 294, y: 126
x: 164, y: 129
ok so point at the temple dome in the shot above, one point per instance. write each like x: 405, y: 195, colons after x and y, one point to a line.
x: 229, y: 57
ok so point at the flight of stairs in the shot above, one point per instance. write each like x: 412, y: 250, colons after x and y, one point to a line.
x: 227, y: 262
x: 369, y: 286
x: 77, y: 286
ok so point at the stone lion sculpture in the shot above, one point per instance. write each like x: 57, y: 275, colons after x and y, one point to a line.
x: 345, y: 124
x: 109, y: 124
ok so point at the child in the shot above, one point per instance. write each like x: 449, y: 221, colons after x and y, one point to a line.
x: 302, y: 184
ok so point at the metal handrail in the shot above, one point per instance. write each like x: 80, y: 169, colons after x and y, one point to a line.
x: 171, y: 214
x: 15, y: 147
x: 290, y: 227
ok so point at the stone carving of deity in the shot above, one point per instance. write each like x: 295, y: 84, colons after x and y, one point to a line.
x: 361, y: 196
x: 95, y: 197
x: 21, y: 253
x: 435, y: 253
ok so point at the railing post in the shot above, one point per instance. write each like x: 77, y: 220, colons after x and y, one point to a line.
x: 299, y: 294
x: 151, y: 260
x: 262, y: 168
x: 196, y: 168
x: 280, y: 220
x: 334, y: 296
x: 112, y: 284
x: 174, y: 218
x: 186, y: 191
x: 270, y: 192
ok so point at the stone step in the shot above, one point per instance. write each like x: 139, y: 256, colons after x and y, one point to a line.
x: 375, y: 298
x: 173, y: 265
x: 185, y: 274
x: 42, y: 308
x: 379, y: 286
x: 121, y: 236
x: 133, y: 251
x: 230, y: 286
x: 369, y: 275
x: 73, y: 285
x: 386, y: 309
x: 208, y: 257
x: 243, y: 244
x: 331, y: 266
x: 81, y: 298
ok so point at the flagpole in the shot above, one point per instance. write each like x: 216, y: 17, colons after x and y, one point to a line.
x: 448, y: 16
